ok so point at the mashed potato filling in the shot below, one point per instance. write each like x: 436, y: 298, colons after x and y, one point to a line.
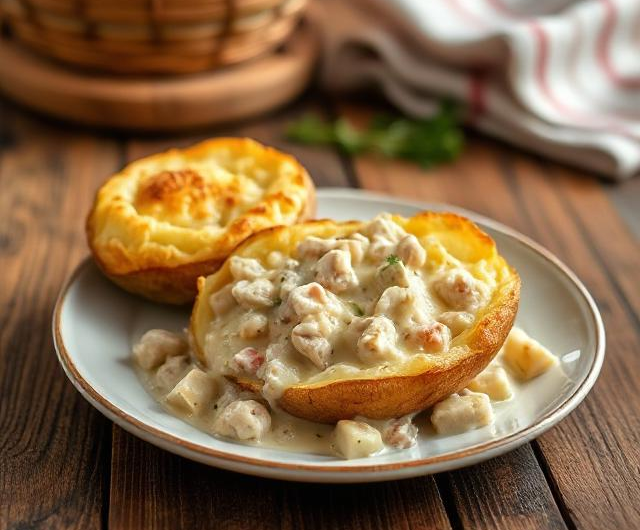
x: 365, y: 301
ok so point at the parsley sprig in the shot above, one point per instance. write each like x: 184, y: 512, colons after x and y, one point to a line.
x: 391, y: 259
x: 426, y: 141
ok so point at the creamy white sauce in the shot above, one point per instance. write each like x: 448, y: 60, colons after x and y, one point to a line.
x: 276, y: 325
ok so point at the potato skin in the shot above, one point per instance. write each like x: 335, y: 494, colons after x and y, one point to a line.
x: 158, y: 272
x: 399, y: 394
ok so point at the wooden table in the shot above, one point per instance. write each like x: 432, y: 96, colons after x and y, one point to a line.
x: 63, y: 465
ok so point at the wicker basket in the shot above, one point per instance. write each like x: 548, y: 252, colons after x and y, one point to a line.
x: 152, y: 36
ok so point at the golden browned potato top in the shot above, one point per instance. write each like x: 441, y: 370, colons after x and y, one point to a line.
x: 196, y: 204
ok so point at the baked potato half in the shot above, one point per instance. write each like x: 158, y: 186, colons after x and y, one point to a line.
x: 166, y: 219
x: 399, y: 313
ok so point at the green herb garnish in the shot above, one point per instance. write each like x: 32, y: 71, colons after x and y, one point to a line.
x: 357, y: 310
x: 426, y: 141
x: 277, y: 302
x: 391, y: 259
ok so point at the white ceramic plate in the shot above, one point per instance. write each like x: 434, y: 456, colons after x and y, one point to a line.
x: 95, y: 325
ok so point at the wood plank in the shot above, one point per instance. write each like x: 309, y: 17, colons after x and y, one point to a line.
x: 592, y: 457
x: 514, y: 483
x: 153, y: 489
x: 616, y: 247
x: 54, y: 447
x: 626, y: 198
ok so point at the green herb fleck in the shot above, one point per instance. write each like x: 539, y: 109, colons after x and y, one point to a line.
x: 357, y: 310
x: 426, y: 141
x: 391, y: 259
x: 277, y: 302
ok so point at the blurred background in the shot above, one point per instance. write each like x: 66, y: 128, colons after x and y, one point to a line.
x: 526, y: 111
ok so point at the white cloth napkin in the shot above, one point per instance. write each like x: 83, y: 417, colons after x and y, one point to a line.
x: 560, y: 77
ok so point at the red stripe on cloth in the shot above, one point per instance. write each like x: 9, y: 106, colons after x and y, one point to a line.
x: 465, y: 13
x: 602, y: 51
x: 600, y: 122
x: 477, y: 96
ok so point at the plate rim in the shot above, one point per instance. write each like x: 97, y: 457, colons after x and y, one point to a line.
x: 457, y: 458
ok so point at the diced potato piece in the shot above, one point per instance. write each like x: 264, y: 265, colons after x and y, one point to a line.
x: 525, y: 357
x: 243, y: 420
x: 462, y: 412
x: 171, y: 372
x: 156, y: 345
x: 356, y: 439
x: 193, y: 392
x: 494, y: 382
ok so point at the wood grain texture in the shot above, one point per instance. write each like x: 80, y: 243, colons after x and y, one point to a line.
x: 591, y: 458
x: 155, y: 489
x: 54, y: 447
x: 514, y: 483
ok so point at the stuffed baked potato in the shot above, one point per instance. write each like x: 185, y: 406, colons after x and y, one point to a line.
x: 334, y: 320
x: 165, y: 220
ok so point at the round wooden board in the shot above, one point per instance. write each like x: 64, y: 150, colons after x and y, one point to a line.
x: 160, y: 103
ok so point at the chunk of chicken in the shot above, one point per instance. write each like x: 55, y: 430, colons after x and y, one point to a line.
x: 356, y: 244
x: 310, y: 339
x: 462, y: 412
x: 334, y: 271
x: 384, y: 226
x: 456, y: 321
x: 193, y: 392
x: 356, y: 439
x: 403, y: 305
x: 171, y: 372
x: 312, y: 298
x: 392, y: 273
x: 384, y: 235
x: 288, y: 281
x: 313, y: 247
x: 277, y: 377
x: 433, y: 337
x: 247, y: 360
x: 378, y: 341
x: 243, y: 420
x: 245, y: 268
x: 411, y: 252
x: 256, y: 294
x: 400, y: 433
x: 222, y: 301
x: 460, y: 290
x: 156, y: 345
x: 253, y: 325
